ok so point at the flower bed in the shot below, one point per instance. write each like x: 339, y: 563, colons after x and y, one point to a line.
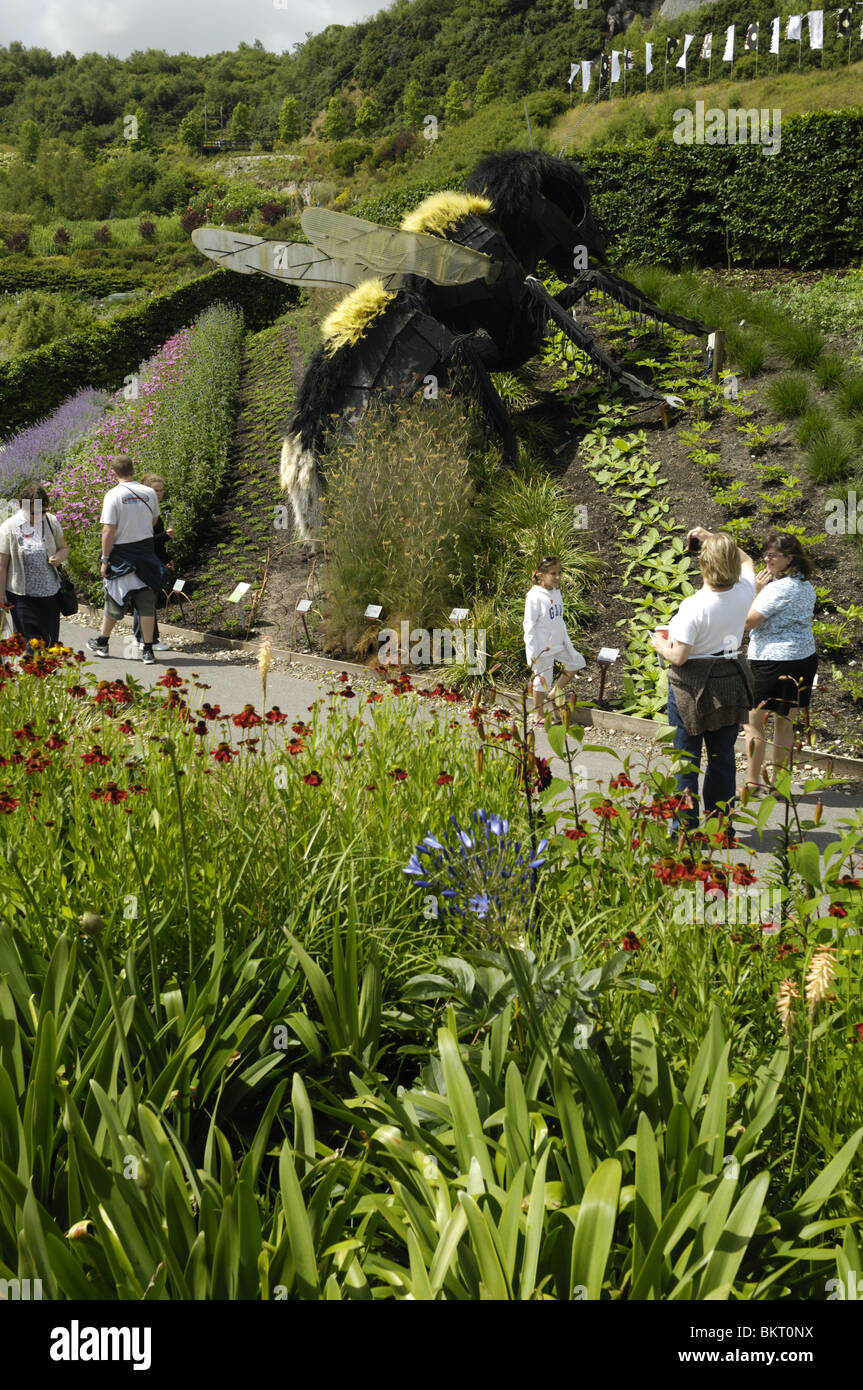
x: 550, y: 1078
x: 34, y: 454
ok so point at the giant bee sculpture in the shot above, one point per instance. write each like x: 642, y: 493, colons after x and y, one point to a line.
x: 451, y: 295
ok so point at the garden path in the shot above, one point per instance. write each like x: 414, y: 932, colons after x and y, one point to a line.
x: 234, y: 681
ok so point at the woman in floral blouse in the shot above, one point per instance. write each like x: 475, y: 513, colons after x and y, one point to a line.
x: 32, y: 545
x: 782, y: 651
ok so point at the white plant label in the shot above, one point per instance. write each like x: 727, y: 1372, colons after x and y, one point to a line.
x: 458, y: 615
x: 607, y: 655
x: 304, y: 605
x: 240, y: 592
x: 179, y: 586
x: 374, y: 610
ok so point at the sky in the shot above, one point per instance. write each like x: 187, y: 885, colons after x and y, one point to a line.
x: 193, y: 26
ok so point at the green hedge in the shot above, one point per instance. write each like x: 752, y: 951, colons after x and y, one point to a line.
x: 33, y: 384
x: 699, y: 204
x: 22, y: 273
x: 803, y: 207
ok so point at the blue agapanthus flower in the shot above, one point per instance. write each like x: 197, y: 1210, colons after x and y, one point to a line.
x: 480, y: 875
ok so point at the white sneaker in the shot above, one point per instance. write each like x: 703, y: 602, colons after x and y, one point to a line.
x: 161, y: 647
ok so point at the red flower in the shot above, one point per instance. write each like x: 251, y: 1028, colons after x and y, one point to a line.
x: 36, y: 764
x: 113, y: 794
x: 313, y: 779
x: 200, y: 728
x: 631, y: 942
x: 344, y: 676
x: 859, y: 1030
x: 8, y: 803
x: 247, y: 719
x: 127, y: 727
x: 622, y: 781
x: 848, y: 882
x: 743, y: 875
x: 55, y: 742
x: 302, y: 729
x: 371, y: 787
x: 784, y: 949
x: 95, y: 755
x: 606, y: 811
x: 211, y: 711
x: 224, y: 753
x: 398, y: 774
x: 636, y: 841
x: 275, y: 716
x: 296, y: 745
x: 374, y: 698
x: 577, y: 834
x: 170, y: 680
x: 25, y: 733
x: 136, y: 788
x: 77, y: 691
x: 444, y: 779
x: 836, y: 910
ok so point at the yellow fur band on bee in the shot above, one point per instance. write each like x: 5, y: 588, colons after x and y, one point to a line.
x: 354, y: 315
x: 442, y: 210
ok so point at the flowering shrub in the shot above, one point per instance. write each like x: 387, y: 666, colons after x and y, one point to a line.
x: 34, y: 454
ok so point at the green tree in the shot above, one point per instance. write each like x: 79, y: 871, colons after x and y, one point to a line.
x: 414, y: 104
x: 289, y: 120
x: 191, y: 131
x: 487, y: 88
x: 335, y: 122
x: 30, y: 137
x: 88, y: 142
x: 138, y: 129
x: 456, y: 96
x: 241, y: 122
x: 368, y: 118
x: 520, y: 79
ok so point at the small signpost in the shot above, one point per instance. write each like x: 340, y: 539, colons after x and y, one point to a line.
x: 606, y: 658
x: 303, y: 607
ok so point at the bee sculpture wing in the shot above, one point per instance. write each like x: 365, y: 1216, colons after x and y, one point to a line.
x: 383, y: 250
x: 295, y: 261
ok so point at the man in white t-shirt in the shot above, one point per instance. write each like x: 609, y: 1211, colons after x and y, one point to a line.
x: 130, y: 568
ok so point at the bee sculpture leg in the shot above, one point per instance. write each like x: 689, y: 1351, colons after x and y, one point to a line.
x: 630, y: 296
x: 469, y: 370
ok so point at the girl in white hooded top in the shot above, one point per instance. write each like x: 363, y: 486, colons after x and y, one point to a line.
x: 546, y: 639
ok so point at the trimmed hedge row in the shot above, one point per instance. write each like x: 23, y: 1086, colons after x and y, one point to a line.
x: 20, y: 273
x: 33, y: 384
x: 701, y: 204
x: 674, y: 205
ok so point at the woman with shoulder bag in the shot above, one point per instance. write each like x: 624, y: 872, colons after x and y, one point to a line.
x: 32, y: 547
x: 709, y: 681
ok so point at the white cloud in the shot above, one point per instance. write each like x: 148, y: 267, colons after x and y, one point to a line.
x: 201, y: 26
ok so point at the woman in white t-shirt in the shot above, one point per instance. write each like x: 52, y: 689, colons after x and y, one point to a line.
x: 709, y: 680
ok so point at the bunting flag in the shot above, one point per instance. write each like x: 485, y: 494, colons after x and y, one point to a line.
x: 648, y: 58
x: 707, y: 46
x: 615, y: 65
x: 585, y: 74
x: 728, y: 55
x: 843, y: 24
x: 671, y: 47
x: 687, y: 40
x: 816, y: 28
x: 627, y: 59
x: 794, y: 32
x: 573, y: 69
x: 774, y: 35
x: 751, y: 40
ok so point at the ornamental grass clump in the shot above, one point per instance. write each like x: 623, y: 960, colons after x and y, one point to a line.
x: 481, y: 876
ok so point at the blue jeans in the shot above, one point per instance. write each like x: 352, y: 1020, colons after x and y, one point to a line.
x: 720, y: 779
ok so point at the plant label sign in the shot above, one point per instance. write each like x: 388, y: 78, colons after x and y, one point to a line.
x: 373, y: 611
x: 608, y: 655
x: 458, y: 615
x: 304, y: 605
x: 179, y: 586
x: 240, y: 592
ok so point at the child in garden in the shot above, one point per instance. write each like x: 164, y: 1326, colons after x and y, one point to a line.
x: 546, y: 639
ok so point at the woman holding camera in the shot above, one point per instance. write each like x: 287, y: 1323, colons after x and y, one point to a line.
x: 710, y: 686
x: 781, y: 651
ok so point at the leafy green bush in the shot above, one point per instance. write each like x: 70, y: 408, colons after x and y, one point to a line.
x: 37, y: 319
x: 829, y: 454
